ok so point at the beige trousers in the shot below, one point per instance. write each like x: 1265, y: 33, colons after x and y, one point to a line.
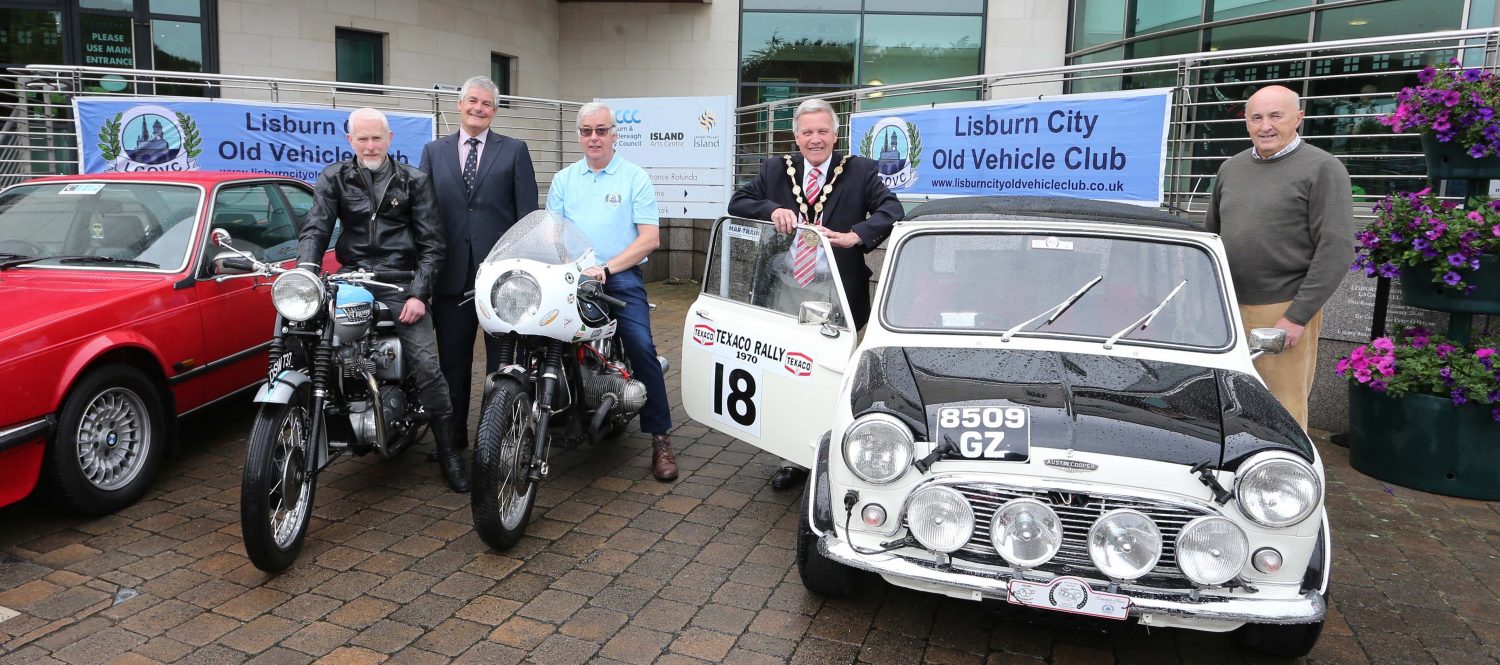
x: 1289, y: 374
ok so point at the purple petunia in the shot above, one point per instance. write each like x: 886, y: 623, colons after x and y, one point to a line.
x: 1452, y: 278
x: 1459, y: 396
x: 1389, y: 270
x: 1456, y: 260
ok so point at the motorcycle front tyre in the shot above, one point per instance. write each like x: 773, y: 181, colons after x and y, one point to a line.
x: 276, y: 493
x: 501, y: 496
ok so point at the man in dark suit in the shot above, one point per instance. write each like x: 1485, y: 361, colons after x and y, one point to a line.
x: 842, y: 195
x: 484, y: 183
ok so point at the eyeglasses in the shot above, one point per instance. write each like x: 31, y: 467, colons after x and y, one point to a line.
x: 595, y: 131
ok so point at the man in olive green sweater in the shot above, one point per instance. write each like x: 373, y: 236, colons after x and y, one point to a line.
x: 1284, y: 210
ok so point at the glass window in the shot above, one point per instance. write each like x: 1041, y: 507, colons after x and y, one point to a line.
x: 1097, y: 22
x: 1269, y: 32
x: 360, y: 56
x: 1098, y: 80
x: 750, y: 263
x: 801, y: 48
x: 1390, y: 18
x: 1166, y: 14
x: 300, y: 199
x: 929, y: 6
x: 177, y: 7
x: 825, y: 5
x: 905, y: 48
x: 111, y: 5
x: 108, y: 41
x: 30, y: 36
x: 255, y: 217
x: 148, y: 224
x: 177, y: 46
x: 500, y: 66
x: 1227, y: 9
x: 937, y: 279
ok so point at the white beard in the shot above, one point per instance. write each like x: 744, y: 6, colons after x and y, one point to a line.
x: 372, y: 164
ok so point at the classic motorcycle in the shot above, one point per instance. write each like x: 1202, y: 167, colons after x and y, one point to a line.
x: 337, y: 384
x: 562, y: 367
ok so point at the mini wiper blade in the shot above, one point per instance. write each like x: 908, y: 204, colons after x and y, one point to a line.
x: 1055, y: 310
x: 8, y: 261
x: 1145, y: 320
x: 106, y: 259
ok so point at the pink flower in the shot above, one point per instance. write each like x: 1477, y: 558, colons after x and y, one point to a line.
x: 1386, y: 366
x: 1484, y: 353
x: 1342, y: 367
x: 1384, y: 344
x: 1363, y: 374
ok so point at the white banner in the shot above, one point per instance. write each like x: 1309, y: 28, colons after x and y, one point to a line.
x: 685, y: 144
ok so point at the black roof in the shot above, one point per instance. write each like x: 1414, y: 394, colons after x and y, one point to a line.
x: 1056, y: 207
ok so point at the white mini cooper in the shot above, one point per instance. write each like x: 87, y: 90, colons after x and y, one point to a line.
x: 1053, y: 405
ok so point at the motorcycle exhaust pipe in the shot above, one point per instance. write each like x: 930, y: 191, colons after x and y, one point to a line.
x: 606, y: 404
x: 665, y: 364
x: 378, y: 408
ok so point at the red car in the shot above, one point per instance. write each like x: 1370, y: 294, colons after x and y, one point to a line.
x: 112, y: 324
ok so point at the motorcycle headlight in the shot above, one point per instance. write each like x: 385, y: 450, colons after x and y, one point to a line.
x: 1124, y: 544
x: 297, y: 295
x: 516, y: 296
x: 1026, y: 532
x: 1212, y: 550
x: 878, y: 448
x: 940, y: 518
x: 1277, y: 491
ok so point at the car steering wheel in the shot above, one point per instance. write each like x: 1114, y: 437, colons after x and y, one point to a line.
x: 26, y: 247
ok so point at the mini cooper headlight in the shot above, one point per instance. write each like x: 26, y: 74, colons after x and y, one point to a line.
x: 1212, y: 550
x: 297, y: 295
x: 1277, y: 491
x: 878, y: 448
x: 940, y: 518
x: 1026, y: 532
x: 1124, y: 544
x: 516, y: 296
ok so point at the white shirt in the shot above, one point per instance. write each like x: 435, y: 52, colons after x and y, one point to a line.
x: 463, y: 149
x: 822, y: 177
x: 1296, y: 141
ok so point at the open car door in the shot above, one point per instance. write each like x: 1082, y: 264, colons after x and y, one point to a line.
x: 764, y: 352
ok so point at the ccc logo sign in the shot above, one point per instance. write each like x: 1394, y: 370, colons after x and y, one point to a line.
x: 627, y: 117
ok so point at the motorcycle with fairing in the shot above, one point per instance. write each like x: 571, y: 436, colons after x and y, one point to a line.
x: 563, y: 370
x: 337, y: 384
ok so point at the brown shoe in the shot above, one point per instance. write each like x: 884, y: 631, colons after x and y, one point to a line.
x: 663, y: 461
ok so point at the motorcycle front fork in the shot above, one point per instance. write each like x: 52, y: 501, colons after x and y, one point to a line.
x: 550, y: 379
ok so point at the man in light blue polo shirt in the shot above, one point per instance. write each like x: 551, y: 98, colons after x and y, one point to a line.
x: 613, y: 201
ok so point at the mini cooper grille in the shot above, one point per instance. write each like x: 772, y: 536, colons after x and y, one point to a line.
x: 1078, y: 511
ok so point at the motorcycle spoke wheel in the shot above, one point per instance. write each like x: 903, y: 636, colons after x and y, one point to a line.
x: 501, y: 496
x: 276, y: 492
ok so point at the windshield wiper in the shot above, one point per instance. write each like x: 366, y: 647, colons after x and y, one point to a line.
x: 1145, y: 320
x: 8, y: 261
x: 105, y: 259
x: 1055, y: 310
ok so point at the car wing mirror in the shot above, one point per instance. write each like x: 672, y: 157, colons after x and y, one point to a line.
x: 819, y: 313
x: 219, y: 238
x: 1267, y: 340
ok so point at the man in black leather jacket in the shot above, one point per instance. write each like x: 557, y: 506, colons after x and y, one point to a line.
x: 390, y: 222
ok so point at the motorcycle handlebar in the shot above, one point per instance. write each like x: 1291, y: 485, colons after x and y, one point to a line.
x: 239, y: 264
x: 595, y: 291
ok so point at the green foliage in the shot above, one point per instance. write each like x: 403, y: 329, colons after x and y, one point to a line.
x: 109, y: 138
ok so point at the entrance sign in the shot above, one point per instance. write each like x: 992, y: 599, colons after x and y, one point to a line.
x: 1106, y: 146
x: 156, y: 134
x: 685, y: 144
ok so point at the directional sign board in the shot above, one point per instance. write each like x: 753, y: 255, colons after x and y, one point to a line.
x: 685, y: 144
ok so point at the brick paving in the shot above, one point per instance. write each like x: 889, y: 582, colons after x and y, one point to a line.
x: 620, y: 568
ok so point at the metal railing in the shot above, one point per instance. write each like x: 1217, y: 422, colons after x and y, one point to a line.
x: 1346, y: 86
x: 39, y: 133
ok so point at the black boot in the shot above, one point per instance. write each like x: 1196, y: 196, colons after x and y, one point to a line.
x: 447, y: 434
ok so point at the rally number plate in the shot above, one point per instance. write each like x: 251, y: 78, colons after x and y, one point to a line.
x: 1069, y: 594
x: 987, y: 432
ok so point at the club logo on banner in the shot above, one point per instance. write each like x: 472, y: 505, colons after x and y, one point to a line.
x: 899, y: 153
x: 121, y: 134
x: 150, y: 138
x: 1106, y: 146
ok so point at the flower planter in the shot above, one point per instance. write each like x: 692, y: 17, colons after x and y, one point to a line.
x: 1426, y: 443
x: 1451, y: 161
x: 1418, y: 289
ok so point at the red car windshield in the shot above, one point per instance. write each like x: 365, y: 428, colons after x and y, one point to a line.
x: 98, y: 224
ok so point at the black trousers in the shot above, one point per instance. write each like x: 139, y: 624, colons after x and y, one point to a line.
x: 456, y: 326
